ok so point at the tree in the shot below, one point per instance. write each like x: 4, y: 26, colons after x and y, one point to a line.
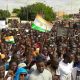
x: 16, y: 11
x: 66, y: 17
x: 71, y: 15
x: 29, y: 12
x: 4, y: 14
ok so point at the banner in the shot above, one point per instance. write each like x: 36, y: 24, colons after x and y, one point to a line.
x: 2, y: 24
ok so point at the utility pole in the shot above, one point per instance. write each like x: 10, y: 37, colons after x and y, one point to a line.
x: 27, y: 10
x: 7, y: 5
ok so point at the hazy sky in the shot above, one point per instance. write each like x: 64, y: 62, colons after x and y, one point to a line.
x: 69, y: 6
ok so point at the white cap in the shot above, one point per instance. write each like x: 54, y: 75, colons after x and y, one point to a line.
x: 22, y: 65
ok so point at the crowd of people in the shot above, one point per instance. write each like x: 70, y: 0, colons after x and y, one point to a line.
x: 39, y: 55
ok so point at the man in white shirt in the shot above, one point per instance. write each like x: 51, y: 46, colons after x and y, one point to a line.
x: 40, y: 73
x: 65, y: 68
x: 76, y: 73
x: 76, y: 69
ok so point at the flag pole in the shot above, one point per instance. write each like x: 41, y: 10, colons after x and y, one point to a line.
x: 46, y: 28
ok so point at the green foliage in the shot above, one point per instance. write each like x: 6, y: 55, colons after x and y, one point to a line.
x: 29, y: 12
x: 16, y: 11
x: 4, y: 14
x: 66, y: 17
x: 71, y: 15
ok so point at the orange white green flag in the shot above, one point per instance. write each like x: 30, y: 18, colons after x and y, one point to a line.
x: 9, y: 39
x: 41, y: 24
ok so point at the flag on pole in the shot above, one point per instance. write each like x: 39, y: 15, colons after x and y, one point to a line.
x: 41, y: 24
x: 9, y: 39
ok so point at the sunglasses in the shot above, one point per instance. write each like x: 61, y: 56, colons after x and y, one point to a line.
x: 23, y: 74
